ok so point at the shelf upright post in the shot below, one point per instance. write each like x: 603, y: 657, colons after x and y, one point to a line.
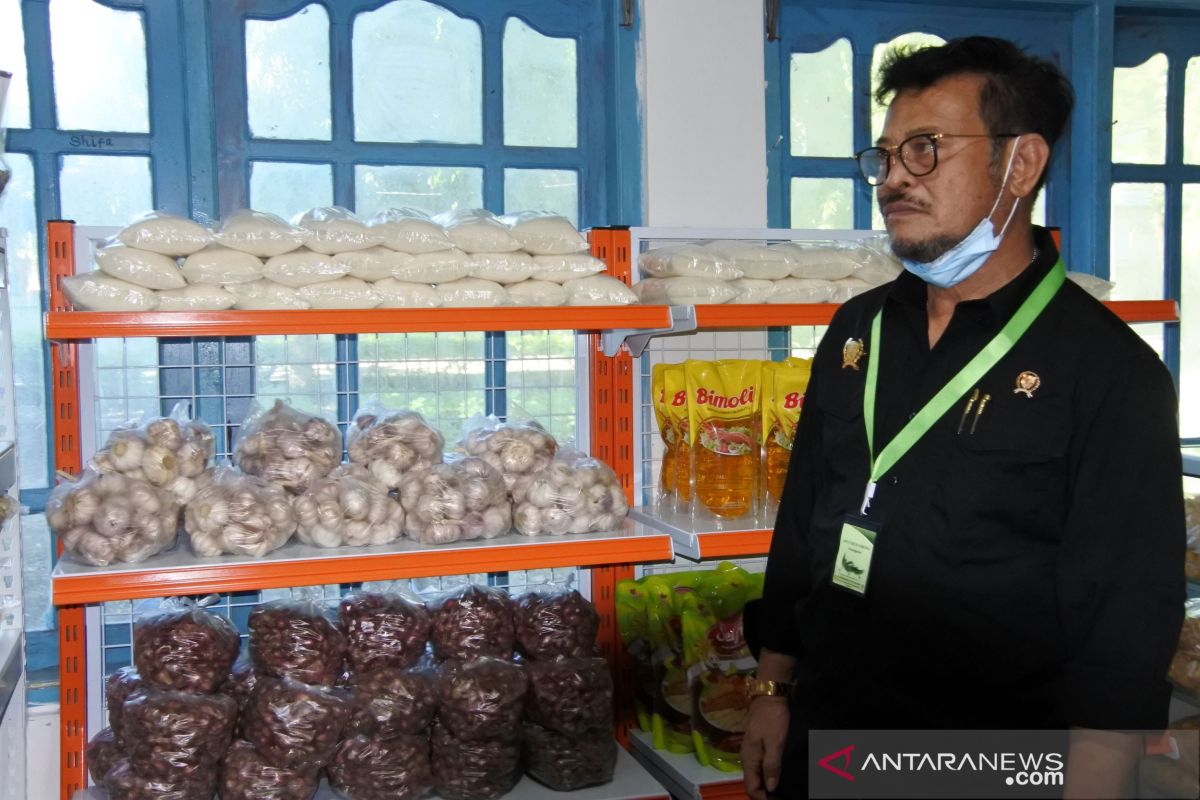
x: 72, y: 641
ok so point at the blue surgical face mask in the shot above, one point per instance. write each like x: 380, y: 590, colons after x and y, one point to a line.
x: 965, y: 258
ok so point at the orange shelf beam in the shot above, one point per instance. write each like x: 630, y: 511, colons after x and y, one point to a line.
x: 737, y: 544
x: 757, y: 316
x: 1145, y: 310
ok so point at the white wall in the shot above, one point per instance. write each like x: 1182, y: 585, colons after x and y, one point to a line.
x: 705, y: 117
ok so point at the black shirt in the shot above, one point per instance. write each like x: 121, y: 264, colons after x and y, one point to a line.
x: 1028, y: 574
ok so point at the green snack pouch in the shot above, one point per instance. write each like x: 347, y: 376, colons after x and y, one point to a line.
x: 631, y: 622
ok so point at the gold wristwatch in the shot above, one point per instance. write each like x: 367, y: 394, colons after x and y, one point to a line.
x: 757, y: 688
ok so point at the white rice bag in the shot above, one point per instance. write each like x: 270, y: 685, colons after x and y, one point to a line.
x: 260, y: 234
x: 687, y: 261
x: 468, y: 292
x: 752, y: 290
x: 139, y: 267
x: 336, y: 230
x: 372, y: 264
x: 1095, y: 286
x: 197, y: 297
x: 165, y: 234
x: 344, y: 292
x: 560, y: 269
x: 303, y: 267
x: 803, y: 290
x: 542, y: 233
x: 845, y: 288
x: 407, y: 230
x: 221, y: 265
x: 95, y: 291
x: 598, y: 290
x: 821, y: 260
x: 440, y: 267
x: 503, y: 268
x: 877, y: 263
x: 537, y: 293
x: 755, y: 260
x: 689, y: 291
x: 477, y: 231
x: 265, y: 295
x: 401, y: 294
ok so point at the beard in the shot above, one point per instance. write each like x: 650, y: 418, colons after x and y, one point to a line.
x: 925, y: 250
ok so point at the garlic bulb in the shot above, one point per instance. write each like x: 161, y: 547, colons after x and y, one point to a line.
x: 103, y: 518
x: 240, y: 514
x: 574, y: 494
x: 160, y: 452
x: 287, y: 447
x: 516, y: 449
x: 463, y: 498
x: 348, y: 508
x: 392, y: 442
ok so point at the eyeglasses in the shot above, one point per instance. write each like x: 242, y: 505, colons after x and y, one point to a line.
x: 918, y: 154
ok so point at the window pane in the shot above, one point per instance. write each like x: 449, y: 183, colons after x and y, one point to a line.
x: 287, y: 189
x: 1140, y: 112
x: 430, y: 189
x: 822, y: 203
x: 913, y: 40
x: 540, y: 104
x: 105, y: 190
x: 1189, y: 363
x: 539, y: 374
x: 821, y: 91
x: 418, y: 75
x: 99, y: 67
x: 1191, y: 113
x: 12, y: 45
x: 287, y: 76
x: 554, y: 190
x: 17, y: 214
x: 1136, y: 264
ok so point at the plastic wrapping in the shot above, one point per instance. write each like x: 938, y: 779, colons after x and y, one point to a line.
x: 383, y: 631
x: 823, y: 260
x: 574, y: 494
x: 631, y: 599
x: 472, y: 621
x: 126, y: 783
x: 803, y: 290
x: 463, y: 498
x: 260, y: 234
x: 784, y: 386
x: 537, y: 293
x: 240, y: 683
x: 570, y: 695
x: 222, y: 265
x: 184, y: 648
x: 391, y: 702
x: 397, y: 769
x: 139, y: 267
x: 402, y: 294
x: 473, y: 770
x: 265, y: 295
x: 550, y: 624
x: 239, y: 514
x: 756, y: 261
x: 474, y: 230
x: 246, y: 775
x: 542, y: 233
x: 175, y: 736
x: 685, y: 291
x: 95, y: 291
x: 287, y: 446
x: 560, y: 269
x: 294, y: 725
x: 333, y: 229
x: 390, y: 443
x: 198, y: 297
x: 407, y: 230
x: 671, y: 707
x: 752, y: 290
x: 102, y: 754
x: 297, y: 640
x: 846, y: 288
x: 483, y: 699
x: 117, y: 689
x: 724, y: 407
x: 471, y: 293
x: 344, y: 292
x: 372, y: 264
x: 598, y: 290
x: 439, y: 267
x: 346, y: 511
x: 877, y: 264
x: 174, y: 453
x: 687, y: 261
x: 303, y: 268
x: 165, y: 234
x: 516, y: 449
x: 566, y: 763
x: 105, y: 518
x: 502, y: 268
x: 1096, y: 286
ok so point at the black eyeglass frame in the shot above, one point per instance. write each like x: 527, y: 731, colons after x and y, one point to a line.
x: 897, y: 151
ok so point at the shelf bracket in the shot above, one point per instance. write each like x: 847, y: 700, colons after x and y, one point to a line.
x: 683, y: 320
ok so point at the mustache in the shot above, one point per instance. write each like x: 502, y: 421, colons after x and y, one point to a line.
x: 886, y: 200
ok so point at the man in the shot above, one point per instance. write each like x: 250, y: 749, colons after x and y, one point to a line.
x: 1023, y: 496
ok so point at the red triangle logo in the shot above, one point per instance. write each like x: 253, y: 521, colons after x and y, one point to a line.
x: 844, y: 755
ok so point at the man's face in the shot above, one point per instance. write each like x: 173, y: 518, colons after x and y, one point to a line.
x: 927, y: 216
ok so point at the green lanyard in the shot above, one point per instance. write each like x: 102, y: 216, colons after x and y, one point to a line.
x: 949, y: 394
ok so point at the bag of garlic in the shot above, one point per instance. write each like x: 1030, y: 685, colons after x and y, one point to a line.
x: 239, y: 514
x: 106, y: 518
x: 175, y: 453
x: 463, y: 498
x: 389, y: 443
x: 574, y: 494
x: 286, y: 446
x: 349, y: 511
x: 516, y: 449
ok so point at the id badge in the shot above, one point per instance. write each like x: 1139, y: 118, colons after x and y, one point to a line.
x: 852, y: 566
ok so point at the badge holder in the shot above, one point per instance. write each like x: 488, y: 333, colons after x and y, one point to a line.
x: 856, y: 546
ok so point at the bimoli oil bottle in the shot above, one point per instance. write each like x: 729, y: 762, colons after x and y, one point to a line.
x: 724, y: 427
x: 676, y: 408
x: 784, y: 384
